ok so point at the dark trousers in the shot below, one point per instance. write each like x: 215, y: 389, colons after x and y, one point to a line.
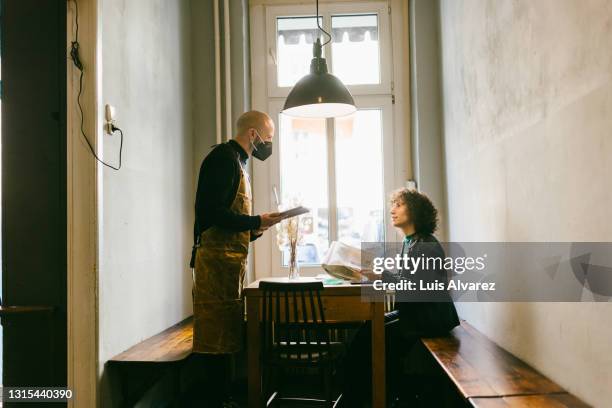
x: 212, y: 386
x: 357, y: 388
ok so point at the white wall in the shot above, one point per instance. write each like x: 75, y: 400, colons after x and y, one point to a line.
x: 528, y: 141
x: 146, y: 209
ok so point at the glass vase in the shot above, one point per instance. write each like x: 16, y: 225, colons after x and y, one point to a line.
x: 294, y: 267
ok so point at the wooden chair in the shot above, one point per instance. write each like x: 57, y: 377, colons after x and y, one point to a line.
x: 296, y: 338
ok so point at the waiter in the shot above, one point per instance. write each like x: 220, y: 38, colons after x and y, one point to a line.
x: 224, y: 226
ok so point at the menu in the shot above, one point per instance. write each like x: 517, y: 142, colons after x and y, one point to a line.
x: 294, y: 212
x: 343, y: 261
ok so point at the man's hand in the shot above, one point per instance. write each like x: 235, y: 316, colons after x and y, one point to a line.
x: 269, y: 219
x: 259, y: 231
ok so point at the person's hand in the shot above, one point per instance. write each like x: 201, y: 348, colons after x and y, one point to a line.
x: 269, y: 219
x: 260, y: 231
x: 369, y: 274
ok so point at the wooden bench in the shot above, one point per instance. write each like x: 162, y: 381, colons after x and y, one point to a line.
x: 142, y: 365
x: 543, y: 400
x: 487, y: 376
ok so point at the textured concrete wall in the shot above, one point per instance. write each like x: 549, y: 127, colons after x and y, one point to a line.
x: 146, y: 209
x: 528, y: 141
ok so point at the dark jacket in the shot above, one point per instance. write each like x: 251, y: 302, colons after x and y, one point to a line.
x: 437, y: 315
x: 218, y: 183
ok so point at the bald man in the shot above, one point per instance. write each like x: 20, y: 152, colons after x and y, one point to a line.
x: 224, y: 226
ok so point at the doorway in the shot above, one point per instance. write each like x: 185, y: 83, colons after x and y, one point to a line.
x: 33, y: 193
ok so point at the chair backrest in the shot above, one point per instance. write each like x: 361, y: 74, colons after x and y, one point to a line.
x: 294, y: 321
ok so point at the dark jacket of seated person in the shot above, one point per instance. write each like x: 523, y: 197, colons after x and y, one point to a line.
x: 436, y: 313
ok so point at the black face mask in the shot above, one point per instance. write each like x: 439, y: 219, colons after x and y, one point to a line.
x: 262, y: 150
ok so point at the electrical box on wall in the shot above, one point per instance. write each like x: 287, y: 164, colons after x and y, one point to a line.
x: 109, y: 116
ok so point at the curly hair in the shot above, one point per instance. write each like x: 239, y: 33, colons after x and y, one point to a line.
x: 422, y: 211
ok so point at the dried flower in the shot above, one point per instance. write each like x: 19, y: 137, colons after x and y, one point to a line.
x: 288, y: 232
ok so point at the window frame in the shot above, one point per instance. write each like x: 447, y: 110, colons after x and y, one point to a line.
x: 266, y: 96
x: 381, y: 102
x: 326, y: 11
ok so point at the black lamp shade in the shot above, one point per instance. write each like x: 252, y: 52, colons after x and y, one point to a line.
x: 319, y: 94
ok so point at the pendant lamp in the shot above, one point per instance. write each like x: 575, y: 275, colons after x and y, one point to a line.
x: 319, y: 94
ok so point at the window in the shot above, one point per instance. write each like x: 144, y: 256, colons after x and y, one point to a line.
x: 303, y: 178
x: 294, y: 39
x: 343, y: 168
x: 356, y: 44
x: 359, y: 163
x: 360, y: 42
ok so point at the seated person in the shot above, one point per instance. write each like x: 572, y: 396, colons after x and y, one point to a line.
x: 415, y: 215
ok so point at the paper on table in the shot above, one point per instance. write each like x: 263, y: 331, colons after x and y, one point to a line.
x: 343, y: 261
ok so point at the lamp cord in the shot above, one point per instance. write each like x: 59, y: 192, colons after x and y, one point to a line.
x: 76, y: 60
x: 321, y: 28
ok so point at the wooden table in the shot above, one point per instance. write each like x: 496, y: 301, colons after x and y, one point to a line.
x: 341, y: 303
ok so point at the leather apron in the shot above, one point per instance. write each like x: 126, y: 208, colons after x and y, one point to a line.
x: 220, y: 267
